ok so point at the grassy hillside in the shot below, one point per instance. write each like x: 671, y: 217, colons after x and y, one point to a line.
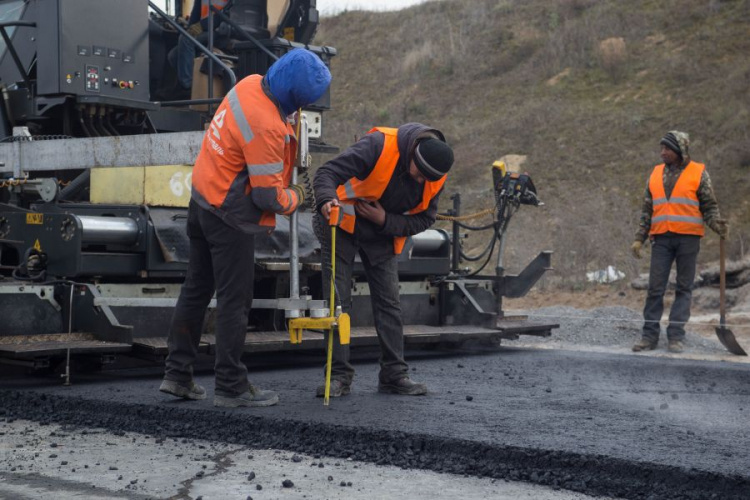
x: 532, y: 77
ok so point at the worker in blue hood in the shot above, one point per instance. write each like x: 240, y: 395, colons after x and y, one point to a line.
x: 297, y: 79
x: 241, y: 179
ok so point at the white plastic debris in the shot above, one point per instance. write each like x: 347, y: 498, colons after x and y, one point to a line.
x: 608, y: 275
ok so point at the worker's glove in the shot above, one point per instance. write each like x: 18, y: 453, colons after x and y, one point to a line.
x: 722, y: 228
x: 635, y: 248
x: 195, y: 29
x: 300, y: 192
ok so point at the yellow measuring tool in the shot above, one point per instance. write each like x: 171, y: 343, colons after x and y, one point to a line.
x: 332, y: 323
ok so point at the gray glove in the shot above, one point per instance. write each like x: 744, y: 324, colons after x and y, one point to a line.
x: 195, y: 29
x: 721, y: 226
x: 300, y: 190
x: 635, y: 248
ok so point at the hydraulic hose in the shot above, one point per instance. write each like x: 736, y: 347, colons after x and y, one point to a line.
x: 75, y: 187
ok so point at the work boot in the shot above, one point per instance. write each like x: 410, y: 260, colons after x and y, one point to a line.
x: 190, y: 390
x: 338, y: 389
x: 675, y: 346
x: 253, y: 397
x: 645, y: 345
x: 404, y: 386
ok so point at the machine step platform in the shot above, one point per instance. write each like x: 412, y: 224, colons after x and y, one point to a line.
x: 57, y: 344
x: 513, y: 326
x: 362, y: 336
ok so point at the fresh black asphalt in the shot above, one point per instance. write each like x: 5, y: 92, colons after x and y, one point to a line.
x: 602, y: 424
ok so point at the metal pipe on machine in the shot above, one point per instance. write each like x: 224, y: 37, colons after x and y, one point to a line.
x: 108, y: 230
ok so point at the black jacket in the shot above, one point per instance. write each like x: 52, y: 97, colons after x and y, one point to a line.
x: 401, y: 195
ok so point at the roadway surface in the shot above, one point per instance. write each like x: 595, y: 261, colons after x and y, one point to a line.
x: 602, y: 424
x: 57, y: 461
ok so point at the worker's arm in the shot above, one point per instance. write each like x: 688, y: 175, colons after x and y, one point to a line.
x: 357, y: 161
x: 708, y: 204
x: 264, y: 157
x: 644, y: 222
x: 195, y: 17
x: 409, y: 225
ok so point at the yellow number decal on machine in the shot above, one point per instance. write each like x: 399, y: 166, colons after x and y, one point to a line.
x: 34, y: 218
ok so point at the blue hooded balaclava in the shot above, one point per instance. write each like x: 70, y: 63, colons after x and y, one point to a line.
x: 297, y: 79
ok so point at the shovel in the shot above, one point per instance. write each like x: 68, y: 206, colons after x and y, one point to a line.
x: 726, y: 337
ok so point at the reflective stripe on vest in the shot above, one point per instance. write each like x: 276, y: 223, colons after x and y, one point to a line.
x: 373, y: 186
x: 218, y: 4
x: 239, y: 115
x: 681, y: 212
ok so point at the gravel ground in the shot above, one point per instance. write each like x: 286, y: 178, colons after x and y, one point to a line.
x: 608, y: 327
x: 53, y: 461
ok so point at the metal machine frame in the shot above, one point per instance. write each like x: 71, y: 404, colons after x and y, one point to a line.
x: 121, y: 300
x: 92, y: 250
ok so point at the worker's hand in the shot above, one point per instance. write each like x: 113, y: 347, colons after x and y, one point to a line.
x: 300, y: 192
x: 722, y: 228
x: 325, y: 209
x: 195, y: 29
x: 372, y: 211
x: 635, y: 248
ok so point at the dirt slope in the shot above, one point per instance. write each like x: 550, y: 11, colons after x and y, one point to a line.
x: 584, y: 88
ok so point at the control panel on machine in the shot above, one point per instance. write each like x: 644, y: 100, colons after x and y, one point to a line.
x: 92, y: 78
x: 108, y: 58
x: 107, y: 75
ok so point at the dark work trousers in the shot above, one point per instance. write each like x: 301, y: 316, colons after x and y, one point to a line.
x: 666, y: 249
x: 222, y: 260
x: 386, y: 307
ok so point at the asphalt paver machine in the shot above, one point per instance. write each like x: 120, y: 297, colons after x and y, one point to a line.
x: 95, y: 181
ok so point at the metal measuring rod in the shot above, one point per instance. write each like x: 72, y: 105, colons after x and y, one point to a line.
x: 332, y: 323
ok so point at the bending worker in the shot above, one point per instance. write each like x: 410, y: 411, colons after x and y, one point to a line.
x: 240, y: 181
x: 678, y: 200
x: 387, y: 185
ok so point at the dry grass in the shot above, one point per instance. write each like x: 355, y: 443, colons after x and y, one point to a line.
x: 478, y: 70
x: 613, y: 57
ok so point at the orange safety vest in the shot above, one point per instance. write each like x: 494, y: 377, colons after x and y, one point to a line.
x: 246, y: 160
x: 680, y: 213
x: 218, y: 4
x: 373, y: 186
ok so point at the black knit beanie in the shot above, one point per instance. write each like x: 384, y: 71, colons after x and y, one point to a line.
x: 433, y: 158
x: 670, y: 141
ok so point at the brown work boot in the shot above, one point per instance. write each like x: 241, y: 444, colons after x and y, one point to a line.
x: 675, y: 346
x: 645, y: 344
x: 338, y: 389
x: 404, y: 386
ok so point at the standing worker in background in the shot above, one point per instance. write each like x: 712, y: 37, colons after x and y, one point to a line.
x: 240, y: 182
x: 678, y: 200
x: 387, y: 185
x: 182, y: 56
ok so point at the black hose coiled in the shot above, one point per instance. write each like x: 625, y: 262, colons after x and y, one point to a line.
x: 303, y: 178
